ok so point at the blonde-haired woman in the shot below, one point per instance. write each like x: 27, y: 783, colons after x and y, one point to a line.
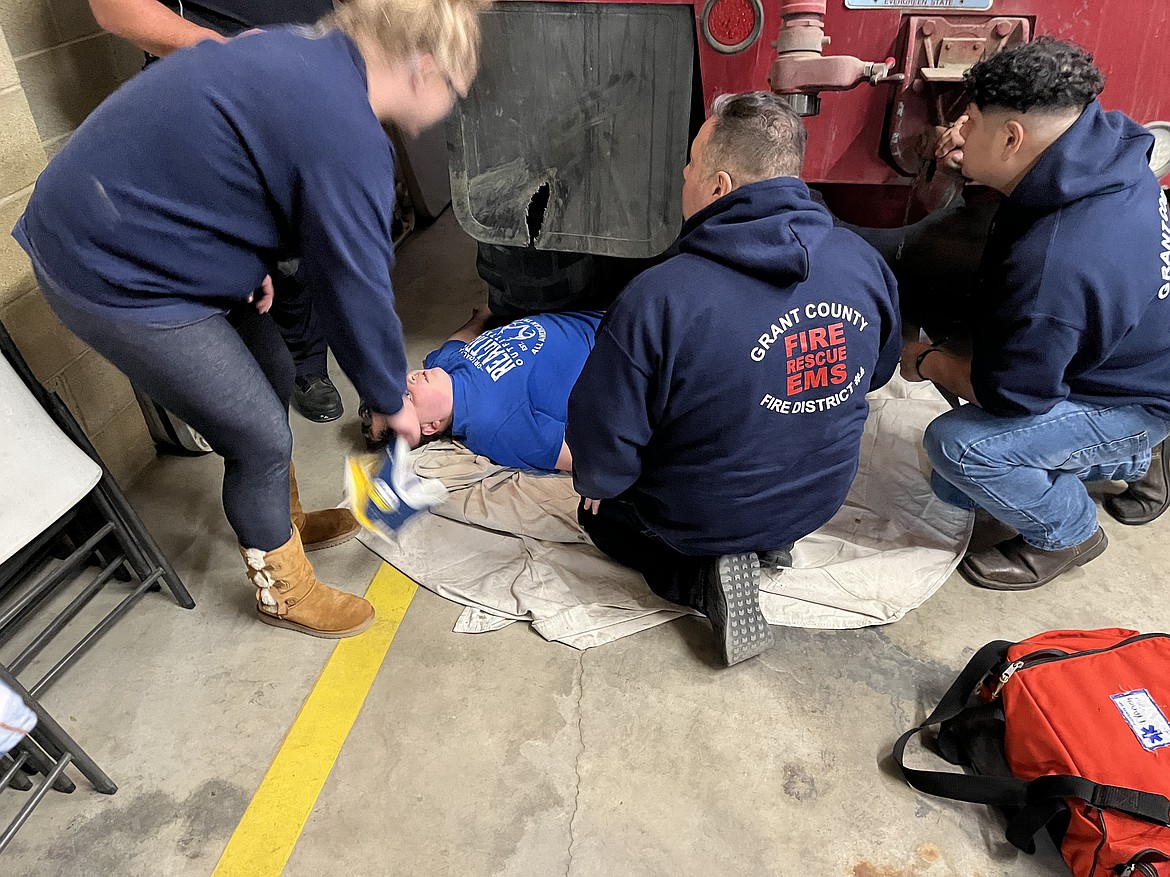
x: 154, y: 230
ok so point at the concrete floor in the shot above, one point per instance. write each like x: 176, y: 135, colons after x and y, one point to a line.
x: 503, y: 754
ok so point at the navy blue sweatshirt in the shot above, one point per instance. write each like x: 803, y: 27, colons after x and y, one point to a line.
x: 230, y: 17
x: 725, y: 394
x: 180, y: 192
x: 1076, y: 279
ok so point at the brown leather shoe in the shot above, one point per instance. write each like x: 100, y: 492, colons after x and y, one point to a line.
x: 1015, y: 565
x: 288, y: 594
x: 323, y: 529
x: 1147, y: 498
x: 988, y: 531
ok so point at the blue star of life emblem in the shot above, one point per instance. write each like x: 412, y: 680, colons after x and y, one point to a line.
x: 1145, y: 718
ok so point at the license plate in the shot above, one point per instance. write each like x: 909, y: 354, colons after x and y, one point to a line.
x: 919, y: 4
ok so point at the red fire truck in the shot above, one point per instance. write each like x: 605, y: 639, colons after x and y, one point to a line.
x: 567, y: 156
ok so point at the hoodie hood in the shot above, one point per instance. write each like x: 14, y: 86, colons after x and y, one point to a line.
x: 1101, y: 153
x: 1074, y: 300
x: 768, y: 230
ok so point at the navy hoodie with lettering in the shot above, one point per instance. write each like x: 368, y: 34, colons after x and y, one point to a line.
x: 725, y: 394
x: 179, y: 193
x: 1076, y: 279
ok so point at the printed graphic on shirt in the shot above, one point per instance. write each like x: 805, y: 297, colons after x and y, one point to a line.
x: 500, y: 350
x: 813, y: 342
x: 1144, y: 717
x: 1164, y: 213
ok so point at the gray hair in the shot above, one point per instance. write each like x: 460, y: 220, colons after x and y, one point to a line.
x: 756, y: 136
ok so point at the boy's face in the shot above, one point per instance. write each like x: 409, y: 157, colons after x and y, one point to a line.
x: 991, y: 147
x: 429, y: 391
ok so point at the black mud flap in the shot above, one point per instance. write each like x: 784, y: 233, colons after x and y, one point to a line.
x: 575, y: 133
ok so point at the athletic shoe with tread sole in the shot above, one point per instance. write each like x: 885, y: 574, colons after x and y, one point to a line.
x: 733, y: 607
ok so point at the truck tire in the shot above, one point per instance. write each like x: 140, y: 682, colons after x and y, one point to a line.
x: 525, y: 281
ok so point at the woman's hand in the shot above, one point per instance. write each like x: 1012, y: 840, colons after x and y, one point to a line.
x: 404, y: 423
x: 267, y: 294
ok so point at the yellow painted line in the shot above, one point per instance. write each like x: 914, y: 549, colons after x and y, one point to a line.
x: 269, y: 829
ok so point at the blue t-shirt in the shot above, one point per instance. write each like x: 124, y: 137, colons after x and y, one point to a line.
x: 511, y: 386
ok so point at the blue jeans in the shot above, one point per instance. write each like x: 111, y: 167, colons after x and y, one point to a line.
x: 1029, y: 471
x: 230, y: 377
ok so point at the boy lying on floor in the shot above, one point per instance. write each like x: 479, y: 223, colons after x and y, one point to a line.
x: 504, y: 392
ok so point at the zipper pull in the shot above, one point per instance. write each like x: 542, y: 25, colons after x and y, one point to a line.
x: 1007, y: 674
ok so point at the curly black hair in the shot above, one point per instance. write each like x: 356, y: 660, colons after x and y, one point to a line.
x: 1045, y: 74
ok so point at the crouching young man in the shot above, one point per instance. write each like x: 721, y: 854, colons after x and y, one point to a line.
x: 1070, y: 372
x: 721, y: 410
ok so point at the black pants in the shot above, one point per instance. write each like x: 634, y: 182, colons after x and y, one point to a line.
x: 621, y: 532
x: 293, y: 313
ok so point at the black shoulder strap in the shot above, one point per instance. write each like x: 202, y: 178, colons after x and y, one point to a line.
x: 1039, y: 800
x: 1000, y: 791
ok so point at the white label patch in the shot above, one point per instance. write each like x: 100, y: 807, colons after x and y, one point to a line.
x: 1144, y: 718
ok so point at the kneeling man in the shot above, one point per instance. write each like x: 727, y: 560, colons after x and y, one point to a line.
x: 721, y: 410
x: 1070, y: 365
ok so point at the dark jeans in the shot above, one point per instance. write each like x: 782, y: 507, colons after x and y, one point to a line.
x: 620, y: 531
x: 292, y: 309
x: 230, y: 377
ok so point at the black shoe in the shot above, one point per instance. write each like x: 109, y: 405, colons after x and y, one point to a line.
x: 1147, y: 498
x: 732, y: 603
x: 777, y: 559
x: 315, y: 397
x: 1015, y: 565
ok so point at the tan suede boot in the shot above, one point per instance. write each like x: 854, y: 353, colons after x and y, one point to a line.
x: 322, y: 529
x: 288, y: 594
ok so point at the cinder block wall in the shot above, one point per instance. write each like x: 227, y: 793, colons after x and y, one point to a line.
x: 56, y: 66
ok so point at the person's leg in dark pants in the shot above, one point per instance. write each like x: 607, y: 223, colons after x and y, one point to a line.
x: 314, y: 396
x: 619, y: 531
x: 324, y: 528
x: 225, y: 383
x: 232, y: 383
x: 725, y: 589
